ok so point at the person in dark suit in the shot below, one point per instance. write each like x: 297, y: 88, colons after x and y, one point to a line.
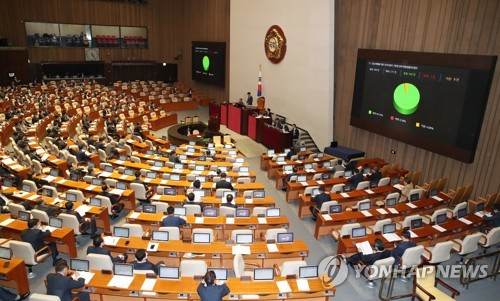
x: 249, y: 99
x: 61, y: 283
x: 100, y: 144
x: 367, y: 260
x: 211, y: 289
x: 375, y: 176
x: 268, y: 113
x: 276, y: 123
x: 81, y: 156
x: 97, y: 248
x: 295, y: 132
x: 319, y: 199
x: 35, y: 235
x: 115, y: 201
x: 493, y: 220
x: 282, y: 126
x: 190, y: 201
x: 229, y: 203
x: 356, y: 178
x: 223, y: 183
x: 174, y: 158
x: 50, y: 210
x: 142, y: 263
x: 172, y: 220
x: 288, y: 177
x: 401, y: 247
x: 148, y: 189
x: 85, y: 223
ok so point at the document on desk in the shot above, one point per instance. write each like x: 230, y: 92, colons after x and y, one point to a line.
x: 49, y: 178
x: 156, y: 197
x: 33, y: 197
x: 366, y: 213
x: 272, y: 248
x: 364, y: 247
x: 413, y: 235
x: 134, y: 215
x: 61, y: 181
x: 465, y: 221
x: 391, y: 237
x: 320, y: 182
x: 249, y: 297
x: 119, y: 162
x: 7, y: 161
x: 281, y: 163
x: 439, y: 228
x: 398, y: 186
x: 298, y: 161
x: 83, y: 209
x: 198, y: 220
x: 110, y: 240
x: 326, y: 217
x: 7, y: 222
x: 153, y: 246
x: 148, y: 284
x: 393, y: 211
x: 50, y: 228
x: 345, y: 195
x: 411, y: 205
x: 163, y: 182
x: 229, y: 220
x: 86, y: 275
x: 382, y: 211
x: 303, y: 285
x: 244, y: 250
x: 248, y: 201
x: 262, y: 220
x: 303, y: 183
x: 369, y: 191
x: 283, y: 286
x: 116, y: 191
x: 56, y: 201
x: 479, y: 214
x: 105, y: 174
x: 155, y: 168
x: 437, y: 198
x: 121, y: 281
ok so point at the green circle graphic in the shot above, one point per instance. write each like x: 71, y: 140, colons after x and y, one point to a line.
x: 206, y: 63
x: 406, y: 98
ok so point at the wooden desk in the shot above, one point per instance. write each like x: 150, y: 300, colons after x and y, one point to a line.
x: 158, y: 141
x: 16, y: 168
x: 175, y: 200
x: 14, y: 275
x: 275, y: 138
x: 265, y: 158
x: 163, y: 121
x: 274, y: 167
x: 170, y: 289
x: 293, y: 190
x: 63, y: 237
x: 280, y: 175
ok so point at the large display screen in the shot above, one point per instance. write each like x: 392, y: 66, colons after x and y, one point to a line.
x: 209, y: 62
x: 431, y: 100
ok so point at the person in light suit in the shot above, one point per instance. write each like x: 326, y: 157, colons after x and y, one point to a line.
x: 212, y: 289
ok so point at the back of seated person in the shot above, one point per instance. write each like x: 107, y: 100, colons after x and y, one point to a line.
x: 171, y: 220
x: 142, y: 263
x: 97, y: 248
x: 191, y: 201
x: 229, y: 203
x: 223, y: 183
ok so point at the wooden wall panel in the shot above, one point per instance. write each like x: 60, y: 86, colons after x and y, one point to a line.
x: 454, y: 26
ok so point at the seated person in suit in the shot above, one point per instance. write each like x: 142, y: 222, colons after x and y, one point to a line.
x: 50, y: 210
x: 138, y: 130
x: 493, y: 220
x: 375, y: 175
x: 191, y: 201
x: 367, y: 260
x: 115, y: 201
x: 210, y: 289
x: 405, y: 192
x: 100, y: 144
x: 61, y: 283
x: 288, y: 177
x: 196, y: 184
x: 81, y: 156
x: 319, y: 199
x: 400, y: 248
x: 268, y: 113
x: 337, y: 166
x: 350, y: 165
x: 36, y: 234
x: 174, y: 158
x: 85, y: 223
x: 149, y: 189
x: 223, y: 183
x: 97, y: 248
x: 356, y: 178
x: 282, y: 126
x: 142, y: 263
x: 172, y: 220
x: 229, y: 203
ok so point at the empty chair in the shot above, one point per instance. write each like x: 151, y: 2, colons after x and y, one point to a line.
x: 363, y: 185
x: 41, y: 297
x: 454, y: 211
x: 105, y: 202
x: 379, y: 225
x: 225, y: 211
x: 259, y: 210
x: 361, y: 203
x: 219, y: 192
x: 160, y: 206
x: 291, y: 267
x: 111, y: 182
x: 31, y: 184
x: 490, y: 239
x: 272, y: 234
x: 173, y: 232
x: 432, y: 218
x: 15, y: 208
x: 99, y: 262
x: 40, y: 215
x: 384, y: 182
x: 102, y: 155
x: 393, y: 195
x: 25, y: 251
x: 79, y: 195
x: 135, y: 159
x: 240, y: 231
x: 424, y: 287
x: 135, y: 230
x: 466, y: 246
x: 337, y: 188
x: 207, y: 231
x: 309, y: 189
x: 407, y: 221
x: 441, y: 252
x: 140, y: 191
x: 240, y: 264
x: 379, y: 269
x: 192, y: 209
x: 326, y: 206
x: 419, y: 191
x: 70, y: 221
x: 411, y: 257
x: 338, y: 174
x: 190, y: 268
x: 244, y: 180
x: 37, y: 168
x: 345, y: 230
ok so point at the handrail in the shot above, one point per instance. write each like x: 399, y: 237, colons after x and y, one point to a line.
x: 393, y: 275
x: 470, y: 264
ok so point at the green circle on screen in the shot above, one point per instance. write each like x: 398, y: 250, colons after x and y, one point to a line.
x: 406, y: 98
x: 206, y: 63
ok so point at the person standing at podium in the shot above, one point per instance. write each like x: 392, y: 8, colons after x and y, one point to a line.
x: 249, y: 99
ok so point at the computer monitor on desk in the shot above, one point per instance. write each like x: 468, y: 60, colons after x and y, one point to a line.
x: 165, y: 272
x: 242, y: 212
x: 5, y: 253
x: 169, y: 191
x: 263, y: 274
x: 244, y: 239
x: 23, y: 216
x: 210, y: 212
x: 121, y: 232
x: 123, y: 269
x: 159, y: 235
x: 79, y: 265
x: 389, y: 228
x: 441, y: 218
x: 308, y: 272
x: 358, y: 232
x: 181, y: 211
x: 121, y: 186
x: 95, y: 202
x: 201, y: 238
x: 282, y: 238
x: 259, y: 194
x: 335, y: 209
x: 416, y: 224
x: 148, y: 208
x: 390, y: 202
x: 128, y: 172
x: 70, y: 197
x: 273, y: 212
x: 462, y: 213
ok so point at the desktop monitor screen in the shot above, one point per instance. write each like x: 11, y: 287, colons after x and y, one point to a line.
x: 280, y: 159
x: 159, y: 235
x: 416, y: 223
x: 389, y: 228
x: 5, y: 253
x: 334, y: 209
x: 480, y: 207
x: 202, y: 179
x: 192, y: 143
x: 327, y: 164
x: 108, y: 168
x: 308, y: 166
x: 26, y: 188
x: 223, y: 168
x: 220, y: 273
x: 302, y: 179
x: 128, y: 172
x: 7, y: 182
x: 373, y: 184
x: 347, y: 173
x: 201, y: 238
x: 47, y: 192
x: 55, y: 222
x: 95, y: 202
x: 54, y: 172
x: 232, y: 153
x: 90, y: 165
x: 122, y: 157
x: 346, y: 188
x: 158, y: 164
x: 242, y: 212
x: 394, y: 181
x: 23, y: 216
x: 366, y: 170
x: 245, y: 239
x: 178, y: 166
x: 286, y: 150
x: 149, y: 153
x: 151, y: 175
x: 287, y: 167
x: 308, y: 272
x: 199, y: 168
x: 270, y: 152
x: 198, y: 194
x: 320, y: 155
x: 325, y: 176
x: 364, y: 206
x: 284, y: 237
x: 303, y: 149
x: 121, y: 186
x: 70, y: 197
x: 183, y: 157
x: 239, y: 160
x: 172, y: 147
x: 123, y: 269
x: 121, y: 232
x: 79, y: 265
x: 433, y: 192
x: 211, y: 145
x: 358, y: 232
x: 263, y: 274
x: 202, y: 158
x: 441, y: 218
x: 315, y: 192
x: 390, y: 202
x: 175, y: 177
x: 210, y: 212
x: 169, y: 191
x: 414, y: 197
x: 96, y: 182
x: 74, y: 177
x: 462, y: 212
x: 147, y: 208
x: 180, y: 211
x: 273, y: 212
x: 168, y: 272
x: 259, y: 194
x: 244, y: 169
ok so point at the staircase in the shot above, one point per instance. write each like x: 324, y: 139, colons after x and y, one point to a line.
x: 307, y: 141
